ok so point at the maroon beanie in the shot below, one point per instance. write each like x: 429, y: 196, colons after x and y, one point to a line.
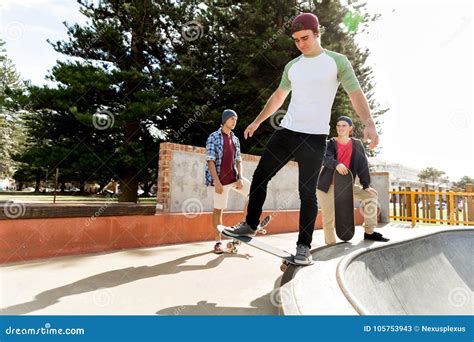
x: 305, y: 21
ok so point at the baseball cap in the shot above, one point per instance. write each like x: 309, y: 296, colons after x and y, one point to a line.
x: 305, y: 21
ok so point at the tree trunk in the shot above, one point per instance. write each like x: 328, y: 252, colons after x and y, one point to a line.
x: 101, y: 187
x: 37, y: 181
x: 146, y: 188
x: 128, y: 185
x: 82, y: 185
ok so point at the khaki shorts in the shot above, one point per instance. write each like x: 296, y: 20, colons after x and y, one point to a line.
x: 220, y: 200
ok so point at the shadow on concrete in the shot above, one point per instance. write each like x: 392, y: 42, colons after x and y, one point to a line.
x: 267, y: 304
x: 112, y: 279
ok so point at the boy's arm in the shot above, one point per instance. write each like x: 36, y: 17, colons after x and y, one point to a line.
x: 364, y: 174
x: 238, y: 165
x: 361, y: 107
x: 330, y: 160
x: 212, y: 168
x: 210, y: 160
x: 273, y: 104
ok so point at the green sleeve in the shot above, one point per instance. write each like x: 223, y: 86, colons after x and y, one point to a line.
x: 345, y: 72
x: 285, y: 82
x: 346, y: 75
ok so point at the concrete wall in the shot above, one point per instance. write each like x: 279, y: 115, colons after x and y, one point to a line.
x: 188, y: 189
x: 181, y: 183
x: 381, y: 182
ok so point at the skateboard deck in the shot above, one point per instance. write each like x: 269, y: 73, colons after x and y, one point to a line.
x: 344, y: 205
x: 285, y: 256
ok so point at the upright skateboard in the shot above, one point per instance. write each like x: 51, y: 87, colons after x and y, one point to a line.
x: 344, y: 205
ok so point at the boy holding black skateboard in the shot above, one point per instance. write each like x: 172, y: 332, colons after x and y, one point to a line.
x: 344, y: 154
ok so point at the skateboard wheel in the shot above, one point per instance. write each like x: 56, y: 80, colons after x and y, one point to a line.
x: 283, y: 267
x: 230, y: 245
x: 234, y: 251
x: 263, y: 231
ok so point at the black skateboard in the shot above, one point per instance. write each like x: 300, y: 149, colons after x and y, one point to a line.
x: 344, y: 205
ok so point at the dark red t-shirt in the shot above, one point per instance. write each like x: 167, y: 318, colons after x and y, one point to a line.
x: 344, y: 154
x: 227, y: 174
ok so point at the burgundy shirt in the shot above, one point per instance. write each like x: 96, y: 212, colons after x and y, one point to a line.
x: 227, y: 174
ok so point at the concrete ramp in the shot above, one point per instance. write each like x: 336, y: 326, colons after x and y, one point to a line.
x: 429, y: 275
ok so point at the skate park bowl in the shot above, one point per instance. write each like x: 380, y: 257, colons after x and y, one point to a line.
x: 426, y: 274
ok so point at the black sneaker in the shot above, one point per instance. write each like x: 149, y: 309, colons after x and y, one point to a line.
x: 375, y: 237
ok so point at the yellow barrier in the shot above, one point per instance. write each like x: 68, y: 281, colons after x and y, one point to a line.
x: 459, y: 206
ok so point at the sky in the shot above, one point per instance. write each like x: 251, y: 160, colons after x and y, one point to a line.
x: 420, y: 51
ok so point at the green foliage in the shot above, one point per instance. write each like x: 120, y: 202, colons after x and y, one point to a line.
x: 460, y: 185
x: 432, y: 175
x: 11, y: 128
x: 144, y: 71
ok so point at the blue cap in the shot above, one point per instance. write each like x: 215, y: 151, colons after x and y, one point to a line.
x: 346, y: 119
x: 228, y: 113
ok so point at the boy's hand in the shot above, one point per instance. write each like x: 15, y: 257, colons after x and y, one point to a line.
x: 239, y: 184
x: 370, y: 133
x: 371, y: 191
x: 250, y: 130
x: 219, y: 188
x: 342, y: 169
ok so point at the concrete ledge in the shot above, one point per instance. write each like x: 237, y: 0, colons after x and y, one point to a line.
x: 35, y: 238
x: 14, y: 210
x: 27, y: 239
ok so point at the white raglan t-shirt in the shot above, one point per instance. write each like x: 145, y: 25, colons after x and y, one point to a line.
x: 313, y: 82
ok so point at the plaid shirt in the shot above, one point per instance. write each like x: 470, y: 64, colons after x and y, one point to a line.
x: 215, y: 150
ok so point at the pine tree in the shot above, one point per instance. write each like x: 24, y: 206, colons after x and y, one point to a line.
x: 236, y: 57
x: 107, y: 100
x: 11, y: 130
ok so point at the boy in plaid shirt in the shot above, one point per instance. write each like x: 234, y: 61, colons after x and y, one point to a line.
x: 224, y: 170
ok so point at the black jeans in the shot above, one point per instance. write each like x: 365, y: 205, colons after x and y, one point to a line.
x: 308, y: 150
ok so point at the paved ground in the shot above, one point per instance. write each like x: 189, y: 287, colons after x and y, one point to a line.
x: 184, y: 279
